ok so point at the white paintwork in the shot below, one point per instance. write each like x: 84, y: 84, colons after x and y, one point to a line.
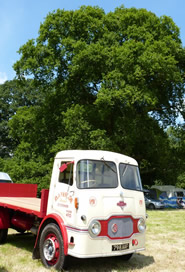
x: 102, y: 207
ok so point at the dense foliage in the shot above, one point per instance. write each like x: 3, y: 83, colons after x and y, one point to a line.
x: 96, y: 81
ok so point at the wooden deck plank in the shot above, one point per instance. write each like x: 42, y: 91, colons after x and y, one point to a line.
x: 29, y: 203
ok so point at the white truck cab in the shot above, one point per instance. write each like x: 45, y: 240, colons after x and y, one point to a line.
x: 94, y: 208
x: 98, y: 195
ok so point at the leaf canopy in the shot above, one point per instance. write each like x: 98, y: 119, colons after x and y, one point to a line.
x: 104, y: 81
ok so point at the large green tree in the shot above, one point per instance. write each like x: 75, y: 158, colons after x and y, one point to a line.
x: 176, y: 165
x: 14, y: 95
x: 125, y: 58
x: 110, y: 81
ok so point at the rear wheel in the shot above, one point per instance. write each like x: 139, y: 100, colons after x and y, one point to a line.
x: 3, y: 235
x: 52, y: 247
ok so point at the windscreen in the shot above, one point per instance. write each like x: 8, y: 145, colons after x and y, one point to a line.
x: 130, y: 177
x: 96, y: 174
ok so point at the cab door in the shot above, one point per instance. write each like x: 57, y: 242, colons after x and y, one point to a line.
x: 63, y: 203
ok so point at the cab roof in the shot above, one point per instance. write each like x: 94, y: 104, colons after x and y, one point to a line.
x: 95, y: 155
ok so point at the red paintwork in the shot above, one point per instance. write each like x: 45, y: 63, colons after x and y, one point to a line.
x: 18, y: 190
x: 44, y: 202
x: 22, y: 221
x: 20, y: 209
x: 62, y: 227
x: 4, y: 218
x: 104, y: 227
x: 24, y: 190
x: 53, y: 237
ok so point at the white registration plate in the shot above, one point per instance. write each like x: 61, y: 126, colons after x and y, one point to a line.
x: 120, y: 247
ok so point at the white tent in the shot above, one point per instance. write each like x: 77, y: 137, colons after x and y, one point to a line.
x: 170, y: 190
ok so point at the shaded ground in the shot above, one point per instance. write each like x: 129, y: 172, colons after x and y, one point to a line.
x: 165, y: 250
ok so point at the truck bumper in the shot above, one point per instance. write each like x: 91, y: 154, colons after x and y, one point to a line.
x: 84, y: 246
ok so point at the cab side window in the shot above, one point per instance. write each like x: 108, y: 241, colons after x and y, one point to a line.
x: 66, y: 173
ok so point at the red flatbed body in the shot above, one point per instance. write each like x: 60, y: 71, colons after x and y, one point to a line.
x: 23, y: 198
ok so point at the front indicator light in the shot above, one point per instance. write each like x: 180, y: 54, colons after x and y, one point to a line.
x: 95, y: 228
x: 141, y: 225
x: 76, y: 202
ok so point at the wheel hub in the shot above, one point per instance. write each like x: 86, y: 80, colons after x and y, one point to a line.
x: 49, y: 249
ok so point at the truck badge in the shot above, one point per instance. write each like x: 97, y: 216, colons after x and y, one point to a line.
x: 114, y: 228
x: 121, y: 204
x: 92, y: 201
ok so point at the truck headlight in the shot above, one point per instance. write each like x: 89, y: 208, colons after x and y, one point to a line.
x: 141, y: 225
x: 95, y: 228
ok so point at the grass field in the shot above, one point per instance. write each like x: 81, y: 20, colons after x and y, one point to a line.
x: 165, y: 250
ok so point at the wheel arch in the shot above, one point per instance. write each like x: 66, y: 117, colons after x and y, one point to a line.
x: 56, y: 219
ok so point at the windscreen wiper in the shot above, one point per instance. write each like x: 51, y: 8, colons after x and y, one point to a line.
x: 108, y: 165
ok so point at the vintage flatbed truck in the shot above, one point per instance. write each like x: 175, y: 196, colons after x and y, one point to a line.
x: 94, y: 208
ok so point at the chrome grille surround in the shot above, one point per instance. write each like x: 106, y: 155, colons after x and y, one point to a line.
x: 124, y: 227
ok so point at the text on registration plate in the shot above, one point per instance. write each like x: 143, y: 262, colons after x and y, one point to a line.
x: 120, y: 247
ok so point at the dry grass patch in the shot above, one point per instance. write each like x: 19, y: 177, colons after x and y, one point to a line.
x: 165, y: 250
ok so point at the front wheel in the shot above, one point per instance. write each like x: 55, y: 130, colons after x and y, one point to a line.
x: 52, y: 247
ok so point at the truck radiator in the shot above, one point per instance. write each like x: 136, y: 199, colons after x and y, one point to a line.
x: 120, y: 227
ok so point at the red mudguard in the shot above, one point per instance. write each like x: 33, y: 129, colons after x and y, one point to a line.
x: 48, y: 219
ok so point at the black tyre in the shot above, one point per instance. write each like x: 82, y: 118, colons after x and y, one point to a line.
x: 127, y: 257
x: 151, y: 207
x: 3, y: 235
x: 52, y: 247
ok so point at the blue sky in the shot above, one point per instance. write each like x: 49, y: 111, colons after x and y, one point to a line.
x: 20, y: 21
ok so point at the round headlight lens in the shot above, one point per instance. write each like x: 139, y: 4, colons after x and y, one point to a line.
x: 95, y: 228
x: 141, y: 225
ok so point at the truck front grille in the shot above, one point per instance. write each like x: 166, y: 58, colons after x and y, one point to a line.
x: 120, y: 227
